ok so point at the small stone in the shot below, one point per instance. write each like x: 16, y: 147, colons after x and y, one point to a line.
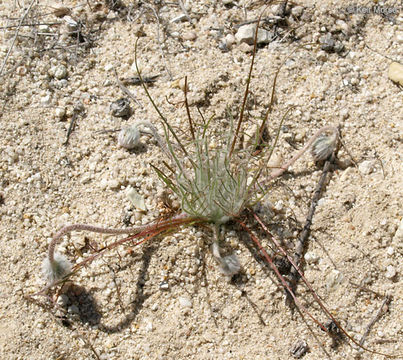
x: 185, y: 302
x: 189, y: 35
x: 343, y: 26
x: 113, y: 184
x: 297, y: 11
x: 367, y: 167
x: 338, y: 47
x: 390, y: 250
x: 60, y: 113
x: 136, y: 199
x: 60, y: 72
x: 148, y: 326
x: 300, y: 135
x: 230, y: 40
x: 73, y: 309
x: 334, y: 279
x: 279, y: 206
x: 311, y: 257
x: 108, y: 67
x: 245, y: 48
x: 395, y: 73
x: 299, y: 349
x: 399, y: 38
x: 121, y: 108
x: 275, y: 161
x: 390, y: 272
x: 46, y: 99
x: 63, y: 300
x: 327, y: 43
x: 246, y: 34
x: 164, y: 285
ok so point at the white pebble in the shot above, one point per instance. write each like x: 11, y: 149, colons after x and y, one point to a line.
x: 60, y: 112
x: 63, y: 300
x: 148, y: 326
x: 367, y: 167
x: 185, y: 302
x: 311, y: 257
x: 334, y: 279
x: 390, y: 250
x: 395, y: 73
x: 60, y: 72
x: 390, y: 272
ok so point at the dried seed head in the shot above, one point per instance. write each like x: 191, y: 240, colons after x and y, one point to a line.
x: 323, y: 147
x: 56, y: 269
x: 129, y: 137
x: 230, y: 265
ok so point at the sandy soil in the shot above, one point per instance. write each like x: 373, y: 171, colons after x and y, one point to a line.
x: 117, y: 308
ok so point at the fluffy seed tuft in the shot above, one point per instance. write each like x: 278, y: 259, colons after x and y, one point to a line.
x: 323, y: 147
x: 129, y: 137
x: 56, y: 269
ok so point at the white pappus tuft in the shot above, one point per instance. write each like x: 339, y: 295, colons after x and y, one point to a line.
x: 129, y: 137
x: 323, y: 147
x: 56, y: 269
x: 229, y: 265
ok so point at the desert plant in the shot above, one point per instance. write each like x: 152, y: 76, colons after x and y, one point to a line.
x: 214, y: 186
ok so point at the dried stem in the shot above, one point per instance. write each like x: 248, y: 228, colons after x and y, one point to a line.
x: 16, y: 35
x: 285, y: 167
x: 101, y: 230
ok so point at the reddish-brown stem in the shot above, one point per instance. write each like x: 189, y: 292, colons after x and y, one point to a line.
x: 188, y: 110
x: 83, y: 227
x: 280, y: 277
x: 316, y: 297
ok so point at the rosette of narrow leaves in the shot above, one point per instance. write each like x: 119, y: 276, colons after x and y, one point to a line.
x: 213, y: 188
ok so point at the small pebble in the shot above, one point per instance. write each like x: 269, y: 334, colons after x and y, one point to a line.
x: 63, y: 300
x: 189, y: 35
x: 60, y: 113
x: 230, y: 40
x: 297, y: 11
x: 149, y: 326
x: 179, y: 18
x: 121, y: 108
x: 367, y: 167
x: 390, y: 272
x: 73, y: 309
x: 60, y: 72
x: 245, y: 48
x: 246, y: 34
x: 164, y: 285
x: 299, y: 349
x: 327, y: 43
x: 311, y: 258
x: 390, y: 251
x: 275, y: 161
x: 185, y: 302
x: 395, y: 73
x: 333, y: 279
